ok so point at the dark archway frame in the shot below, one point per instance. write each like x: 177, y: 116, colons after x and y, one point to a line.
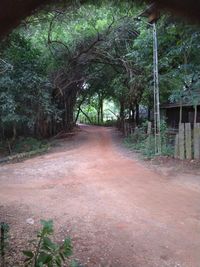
x: 12, y: 12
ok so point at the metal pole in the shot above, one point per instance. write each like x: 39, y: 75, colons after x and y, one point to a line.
x: 156, y: 93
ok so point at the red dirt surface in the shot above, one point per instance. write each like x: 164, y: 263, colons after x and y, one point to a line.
x: 117, y: 211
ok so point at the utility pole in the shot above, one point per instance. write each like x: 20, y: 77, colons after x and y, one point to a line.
x: 156, y: 93
x: 153, y: 14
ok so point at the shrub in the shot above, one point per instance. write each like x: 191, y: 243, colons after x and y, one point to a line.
x: 28, y: 144
x: 4, y: 229
x: 139, y: 141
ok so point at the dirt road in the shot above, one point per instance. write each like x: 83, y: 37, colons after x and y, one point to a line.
x: 116, y: 210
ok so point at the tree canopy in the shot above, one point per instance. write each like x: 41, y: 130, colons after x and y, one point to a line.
x: 66, y: 58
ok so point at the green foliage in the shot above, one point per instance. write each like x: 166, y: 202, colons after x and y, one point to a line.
x: 139, y: 141
x: 46, y: 252
x: 25, y: 91
x: 179, y: 60
x: 4, y: 235
x: 28, y: 144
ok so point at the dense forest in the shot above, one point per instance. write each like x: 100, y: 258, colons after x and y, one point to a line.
x: 64, y: 62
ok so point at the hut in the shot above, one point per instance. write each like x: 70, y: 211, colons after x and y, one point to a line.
x: 174, y: 113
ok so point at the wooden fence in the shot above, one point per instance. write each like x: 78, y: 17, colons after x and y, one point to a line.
x: 128, y: 128
x: 187, y: 143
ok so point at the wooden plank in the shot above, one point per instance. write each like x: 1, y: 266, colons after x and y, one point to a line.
x: 149, y: 128
x: 181, y: 141
x: 196, y: 141
x: 132, y: 129
x: 125, y: 129
x: 129, y: 129
x: 148, y: 141
x: 188, y: 141
x: 176, y: 152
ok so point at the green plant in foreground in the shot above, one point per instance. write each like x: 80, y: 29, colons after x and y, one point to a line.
x: 3, y: 241
x: 46, y: 252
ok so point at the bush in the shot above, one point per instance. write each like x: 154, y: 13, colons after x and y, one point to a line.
x: 28, y: 144
x: 139, y: 141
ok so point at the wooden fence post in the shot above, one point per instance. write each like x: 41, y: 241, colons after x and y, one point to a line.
x: 176, y: 152
x: 196, y: 141
x: 148, y: 144
x: 132, y: 128
x: 188, y: 141
x: 129, y: 128
x: 125, y: 131
x: 181, y: 141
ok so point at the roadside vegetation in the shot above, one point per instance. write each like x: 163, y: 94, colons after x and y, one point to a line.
x: 141, y: 142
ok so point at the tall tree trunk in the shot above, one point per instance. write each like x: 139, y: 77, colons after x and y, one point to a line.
x: 98, y: 116
x: 14, y: 132
x: 70, y: 101
x: 77, y: 115
x: 101, y: 109
x: 122, y: 108
x: 87, y: 117
x: 121, y: 114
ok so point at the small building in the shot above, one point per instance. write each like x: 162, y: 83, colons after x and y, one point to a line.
x: 171, y: 113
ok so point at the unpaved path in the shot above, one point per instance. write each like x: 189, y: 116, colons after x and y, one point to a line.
x: 115, y: 209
